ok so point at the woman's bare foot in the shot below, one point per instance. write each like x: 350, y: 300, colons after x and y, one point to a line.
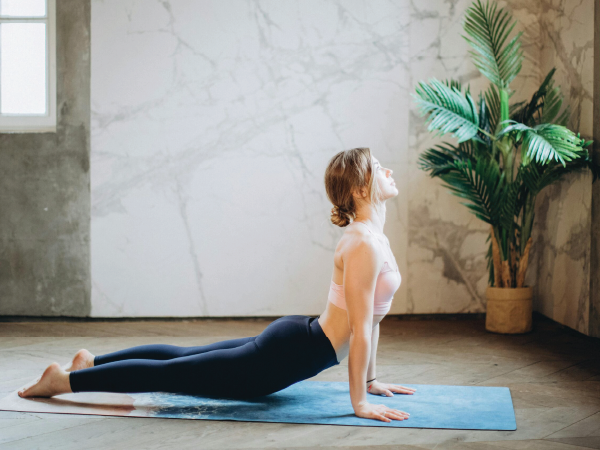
x: 82, y: 360
x: 54, y: 381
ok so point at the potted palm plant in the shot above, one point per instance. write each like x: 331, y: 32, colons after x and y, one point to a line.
x: 505, y: 155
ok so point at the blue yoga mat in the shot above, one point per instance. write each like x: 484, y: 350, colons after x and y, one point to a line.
x: 315, y: 402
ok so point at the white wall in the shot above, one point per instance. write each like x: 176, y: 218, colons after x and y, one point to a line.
x: 212, y: 124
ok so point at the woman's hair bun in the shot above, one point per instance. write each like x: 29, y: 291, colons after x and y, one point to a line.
x: 340, y: 216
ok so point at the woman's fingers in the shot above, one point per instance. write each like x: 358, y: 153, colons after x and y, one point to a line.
x: 406, y: 388
x: 395, y: 413
x: 403, y: 389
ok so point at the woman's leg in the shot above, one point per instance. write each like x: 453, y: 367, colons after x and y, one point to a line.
x: 290, y: 349
x: 264, y: 364
x: 164, y: 351
x: 236, y: 372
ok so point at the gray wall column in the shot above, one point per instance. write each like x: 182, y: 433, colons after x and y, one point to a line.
x: 45, y: 190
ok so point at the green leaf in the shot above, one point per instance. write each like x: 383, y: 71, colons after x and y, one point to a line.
x: 488, y: 28
x: 536, y: 176
x: 440, y: 160
x: 563, y: 119
x: 510, y: 205
x: 484, y: 121
x: 480, y: 186
x: 546, y: 142
x: 492, y: 100
x: 449, y: 111
x: 552, y: 103
x: 544, y: 105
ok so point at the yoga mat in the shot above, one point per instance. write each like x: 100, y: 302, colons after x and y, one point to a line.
x: 316, y: 402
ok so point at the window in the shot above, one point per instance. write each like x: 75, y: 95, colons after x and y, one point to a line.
x: 27, y: 66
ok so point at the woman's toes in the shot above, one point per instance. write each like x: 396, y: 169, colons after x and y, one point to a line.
x: 49, y: 384
x: 31, y: 383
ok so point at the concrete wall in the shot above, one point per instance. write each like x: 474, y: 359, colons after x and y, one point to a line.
x: 45, y: 190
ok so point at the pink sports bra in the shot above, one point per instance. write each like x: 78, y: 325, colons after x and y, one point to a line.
x: 388, y: 282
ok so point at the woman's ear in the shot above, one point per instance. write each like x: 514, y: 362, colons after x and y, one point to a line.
x: 359, y: 193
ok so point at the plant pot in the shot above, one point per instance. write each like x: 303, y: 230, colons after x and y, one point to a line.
x: 509, y: 310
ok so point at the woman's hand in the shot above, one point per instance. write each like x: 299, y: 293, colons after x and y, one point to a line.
x: 386, y: 389
x: 379, y: 412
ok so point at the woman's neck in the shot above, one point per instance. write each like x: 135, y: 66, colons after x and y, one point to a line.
x: 371, y: 217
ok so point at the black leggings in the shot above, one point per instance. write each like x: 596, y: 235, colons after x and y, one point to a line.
x: 290, y: 349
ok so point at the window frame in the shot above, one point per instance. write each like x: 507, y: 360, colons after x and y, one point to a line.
x: 36, y: 123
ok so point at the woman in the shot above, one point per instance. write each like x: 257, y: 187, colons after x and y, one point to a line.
x: 292, y: 348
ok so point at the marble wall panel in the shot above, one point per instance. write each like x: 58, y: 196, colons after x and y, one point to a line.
x: 212, y: 125
x: 563, y: 210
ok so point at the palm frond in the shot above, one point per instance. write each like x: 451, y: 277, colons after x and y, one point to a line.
x: 449, y: 111
x: 563, y: 119
x: 485, y: 122
x: 526, y: 113
x: 440, y: 159
x: 451, y: 83
x: 489, y: 28
x: 544, y: 105
x: 492, y: 99
x: 510, y: 204
x: 552, y: 102
x: 547, y: 141
x: 531, y: 174
x: 536, y: 176
x: 480, y: 186
x: 523, y: 190
x: 515, y: 109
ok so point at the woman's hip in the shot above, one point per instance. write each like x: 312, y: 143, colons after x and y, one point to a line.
x: 297, y: 343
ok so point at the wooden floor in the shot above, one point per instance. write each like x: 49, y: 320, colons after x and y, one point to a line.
x: 553, y: 374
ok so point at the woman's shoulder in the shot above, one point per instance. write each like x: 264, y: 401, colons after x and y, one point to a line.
x: 355, y: 237
x: 355, y: 231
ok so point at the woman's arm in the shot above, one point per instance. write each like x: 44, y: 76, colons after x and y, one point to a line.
x: 361, y: 264
x: 371, y: 370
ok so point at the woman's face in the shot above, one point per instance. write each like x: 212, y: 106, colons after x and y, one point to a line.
x: 387, y: 186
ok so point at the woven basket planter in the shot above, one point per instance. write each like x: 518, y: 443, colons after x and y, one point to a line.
x: 509, y: 310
